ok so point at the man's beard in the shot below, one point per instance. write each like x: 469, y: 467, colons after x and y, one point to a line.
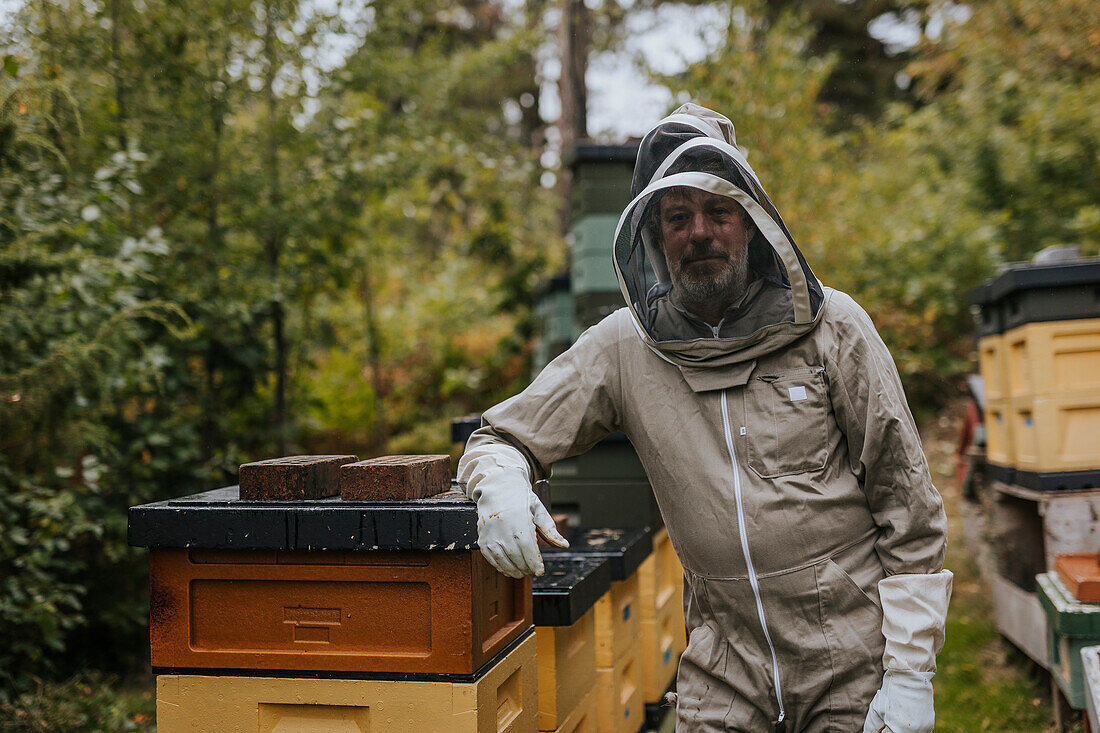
x: 722, y: 282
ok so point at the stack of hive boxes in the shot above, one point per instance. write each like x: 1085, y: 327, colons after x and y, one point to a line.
x: 333, y: 614
x: 619, y: 657
x: 565, y: 627
x: 664, y: 636
x: 1039, y: 355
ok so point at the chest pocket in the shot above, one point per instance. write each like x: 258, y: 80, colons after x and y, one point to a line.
x: 786, y: 428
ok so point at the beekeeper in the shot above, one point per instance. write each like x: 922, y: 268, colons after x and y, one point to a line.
x: 772, y: 425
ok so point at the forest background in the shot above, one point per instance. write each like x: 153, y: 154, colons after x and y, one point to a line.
x: 216, y: 245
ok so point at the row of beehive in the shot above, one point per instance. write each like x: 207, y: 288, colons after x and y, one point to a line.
x: 636, y: 630
x: 1042, y: 383
x: 450, y: 638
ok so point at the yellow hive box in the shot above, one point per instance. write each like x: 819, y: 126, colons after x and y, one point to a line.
x: 617, y: 621
x: 663, y: 641
x: 619, y: 704
x: 567, y: 669
x: 660, y: 578
x: 1052, y: 434
x: 1053, y: 359
x: 501, y: 700
x: 993, y: 366
x: 1000, y: 447
x: 583, y: 717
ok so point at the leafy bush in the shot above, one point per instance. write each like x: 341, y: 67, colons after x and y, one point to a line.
x: 89, y: 701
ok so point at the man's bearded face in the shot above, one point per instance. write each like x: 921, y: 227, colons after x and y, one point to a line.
x: 705, y: 240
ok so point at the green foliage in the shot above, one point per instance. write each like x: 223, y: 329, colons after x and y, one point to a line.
x: 215, y: 248
x: 89, y: 701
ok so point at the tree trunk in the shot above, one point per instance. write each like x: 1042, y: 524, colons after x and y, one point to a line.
x: 374, y: 360
x: 274, y: 239
x: 573, y: 43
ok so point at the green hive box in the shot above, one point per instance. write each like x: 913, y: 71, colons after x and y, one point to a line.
x: 590, y: 257
x: 1071, y: 626
x: 554, y: 315
x: 601, y: 178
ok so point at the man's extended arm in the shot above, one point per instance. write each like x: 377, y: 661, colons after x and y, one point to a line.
x: 885, y: 453
x: 570, y: 406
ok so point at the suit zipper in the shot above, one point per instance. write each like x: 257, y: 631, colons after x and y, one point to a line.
x: 748, y: 558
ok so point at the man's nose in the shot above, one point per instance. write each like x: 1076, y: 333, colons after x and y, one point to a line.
x: 700, y: 228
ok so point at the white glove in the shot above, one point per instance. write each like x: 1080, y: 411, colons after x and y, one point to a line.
x: 914, y: 612
x: 903, y: 705
x: 508, y: 512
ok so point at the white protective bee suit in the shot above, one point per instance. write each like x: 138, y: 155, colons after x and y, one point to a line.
x: 783, y: 457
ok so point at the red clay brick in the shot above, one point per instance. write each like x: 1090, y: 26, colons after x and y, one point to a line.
x: 395, y: 478
x: 1081, y: 574
x: 292, y: 478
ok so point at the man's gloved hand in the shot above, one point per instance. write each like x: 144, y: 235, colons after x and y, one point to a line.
x: 914, y: 612
x: 508, y: 515
x: 903, y: 705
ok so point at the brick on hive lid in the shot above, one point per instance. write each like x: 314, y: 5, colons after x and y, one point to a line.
x: 395, y: 478
x: 1080, y: 572
x: 291, y: 478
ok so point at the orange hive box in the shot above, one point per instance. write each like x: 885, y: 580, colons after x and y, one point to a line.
x: 1081, y: 574
x: 331, y: 610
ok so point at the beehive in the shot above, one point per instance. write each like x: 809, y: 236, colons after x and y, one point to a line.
x: 565, y: 625
x: 619, y: 704
x: 583, y: 717
x: 501, y: 698
x: 325, y: 585
x: 1051, y: 359
x: 1056, y: 433
x: 993, y: 366
x: 618, y: 622
x: 331, y: 610
x: 664, y: 636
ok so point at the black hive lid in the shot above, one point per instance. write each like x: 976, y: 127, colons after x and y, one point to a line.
x: 218, y: 519
x: 589, y: 152
x: 1030, y: 277
x: 572, y: 585
x: 626, y: 547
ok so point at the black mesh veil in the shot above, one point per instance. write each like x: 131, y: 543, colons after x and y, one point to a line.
x: 691, y: 150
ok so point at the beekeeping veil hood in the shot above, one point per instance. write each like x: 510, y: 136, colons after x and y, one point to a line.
x: 695, y: 147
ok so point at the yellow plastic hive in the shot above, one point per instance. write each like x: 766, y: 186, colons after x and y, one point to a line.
x: 503, y: 700
x: 663, y: 641
x: 1000, y: 447
x: 619, y: 704
x: 993, y: 366
x: 583, y: 717
x: 567, y: 669
x: 1053, y: 359
x: 1053, y: 434
x: 660, y: 578
x: 617, y: 621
